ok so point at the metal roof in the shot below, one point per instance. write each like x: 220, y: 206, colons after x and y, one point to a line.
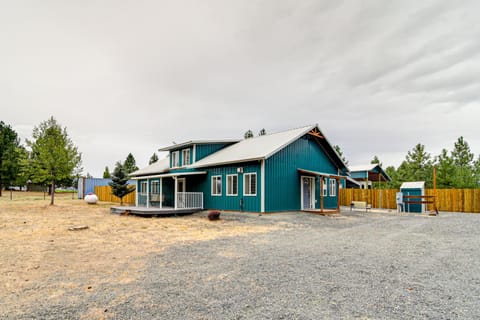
x: 191, y: 142
x: 369, y: 168
x: 413, y: 185
x: 159, y: 166
x: 255, y: 148
x: 171, y: 174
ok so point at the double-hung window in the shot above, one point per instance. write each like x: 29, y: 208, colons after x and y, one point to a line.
x: 185, y: 157
x: 143, y: 187
x: 216, y: 185
x: 155, y: 187
x: 232, y: 185
x: 325, y: 187
x: 175, y: 159
x: 333, y: 187
x: 250, y: 184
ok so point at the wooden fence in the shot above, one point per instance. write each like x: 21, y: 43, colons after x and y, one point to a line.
x: 455, y: 200
x: 104, y: 193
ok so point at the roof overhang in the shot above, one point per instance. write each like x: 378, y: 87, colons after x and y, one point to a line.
x: 192, y: 142
x: 321, y: 174
x: 169, y: 175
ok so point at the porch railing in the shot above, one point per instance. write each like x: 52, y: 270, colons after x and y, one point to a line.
x: 189, y: 200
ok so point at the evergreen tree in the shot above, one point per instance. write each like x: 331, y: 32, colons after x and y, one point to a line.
x: 340, y: 153
x: 463, y: 160
x: 9, y: 155
x: 248, y: 134
x: 119, y: 184
x: 445, y: 170
x: 130, y: 164
x: 262, y: 132
x: 392, y: 173
x: 153, y: 158
x: 106, y: 173
x: 476, y: 171
x: 375, y: 160
x: 54, y: 156
x: 417, y: 166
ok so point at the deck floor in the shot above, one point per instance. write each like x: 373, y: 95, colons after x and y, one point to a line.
x: 144, y: 211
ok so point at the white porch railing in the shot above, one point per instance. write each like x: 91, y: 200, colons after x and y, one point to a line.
x: 189, y: 200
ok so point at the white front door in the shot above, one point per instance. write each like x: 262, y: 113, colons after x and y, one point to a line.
x: 308, y: 193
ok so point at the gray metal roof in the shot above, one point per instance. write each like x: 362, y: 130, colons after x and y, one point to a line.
x: 159, y: 166
x: 192, y: 142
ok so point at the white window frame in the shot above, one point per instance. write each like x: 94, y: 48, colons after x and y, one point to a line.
x: 175, y: 159
x: 213, y: 188
x: 230, y: 180
x: 184, y: 153
x: 325, y: 187
x: 333, y: 188
x: 155, y: 187
x: 143, y: 187
x: 245, y: 184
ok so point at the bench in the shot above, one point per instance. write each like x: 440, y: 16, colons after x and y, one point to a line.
x: 360, y: 205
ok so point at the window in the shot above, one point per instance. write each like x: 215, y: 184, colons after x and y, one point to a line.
x: 143, y: 187
x: 333, y: 187
x: 325, y: 187
x: 216, y: 185
x: 175, y: 159
x: 250, y: 184
x: 232, y: 185
x: 185, y: 157
x: 155, y: 187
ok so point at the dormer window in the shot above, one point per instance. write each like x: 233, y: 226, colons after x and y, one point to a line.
x: 185, y: 157
x: 175, y: 159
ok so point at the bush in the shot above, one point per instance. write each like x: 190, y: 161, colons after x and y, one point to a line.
x: 214, y: 215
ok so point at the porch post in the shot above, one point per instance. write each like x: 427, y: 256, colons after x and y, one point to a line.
x: 136, y: 193
x: 338, y: 194
x: 321, y: 193
x: 175, y: 194
x: 161, y: 191
x: 148, y: 193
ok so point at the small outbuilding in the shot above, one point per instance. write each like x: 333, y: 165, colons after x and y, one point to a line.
x: 409, y: 191
x: 365, y: 175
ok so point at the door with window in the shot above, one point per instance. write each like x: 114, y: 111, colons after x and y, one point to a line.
x: 308, y: 193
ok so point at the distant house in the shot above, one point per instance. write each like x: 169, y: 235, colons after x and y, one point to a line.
x: 296, y: 169
x: 365, y: 175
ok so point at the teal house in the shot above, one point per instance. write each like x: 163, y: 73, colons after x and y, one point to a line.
x: 292, y: 170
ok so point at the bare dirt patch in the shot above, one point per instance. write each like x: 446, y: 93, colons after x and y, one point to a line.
x: 41, y: 257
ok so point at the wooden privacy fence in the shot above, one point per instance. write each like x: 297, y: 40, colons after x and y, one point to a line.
x: 455, y: 200
x: 104, y: 193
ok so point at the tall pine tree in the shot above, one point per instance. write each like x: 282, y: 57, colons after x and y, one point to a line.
x: 463, y: 160
x: 130, y: 164
x: 9, y: 155
x: 153, y: 158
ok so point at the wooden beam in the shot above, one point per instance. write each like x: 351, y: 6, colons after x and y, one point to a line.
x: 314, y: 132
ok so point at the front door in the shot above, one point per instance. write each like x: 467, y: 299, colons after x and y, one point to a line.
x: 181, y: 185
x: 308, y: 193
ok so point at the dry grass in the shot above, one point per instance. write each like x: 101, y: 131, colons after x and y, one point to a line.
x: 39, y: 256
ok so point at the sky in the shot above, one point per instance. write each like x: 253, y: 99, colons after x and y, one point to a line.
x: 134, y: 76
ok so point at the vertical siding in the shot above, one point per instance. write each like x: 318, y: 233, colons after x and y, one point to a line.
x: 282, y: 180
x: 224, y: 202
x: 204, y: 150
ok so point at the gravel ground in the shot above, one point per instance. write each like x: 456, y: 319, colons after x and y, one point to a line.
x: 353, y: 265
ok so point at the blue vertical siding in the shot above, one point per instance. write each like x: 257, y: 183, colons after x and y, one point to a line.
x: 204, y: 150
x: 240, y: 202
x: 282, y: 180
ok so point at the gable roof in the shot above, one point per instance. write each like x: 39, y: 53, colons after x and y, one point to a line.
x: 370, y: 168
x: 413, y: 185
x: 159, y: 166
x: 262, y: 147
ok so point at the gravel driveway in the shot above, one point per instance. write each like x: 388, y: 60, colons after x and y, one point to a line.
x: 353, y: 265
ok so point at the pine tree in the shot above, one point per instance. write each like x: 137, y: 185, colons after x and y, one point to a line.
x: 248, y: 134
x: 130, y: 164
x: 119, y: 184
x: 54, y: 156
x: 417, y: 166
x: 9, y: 155
x: 106, y: 173
x: 262, y: 132
x: 153, y: 158
x: 375, y: 160
x: 340, y: 153
x: 463, y: 160
x: 445, y: 170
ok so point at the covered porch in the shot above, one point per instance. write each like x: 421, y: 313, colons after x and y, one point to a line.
x: 168, y: 191
x: 327, y: 193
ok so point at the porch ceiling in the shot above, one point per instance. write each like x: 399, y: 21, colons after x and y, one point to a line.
x: 321, y: 174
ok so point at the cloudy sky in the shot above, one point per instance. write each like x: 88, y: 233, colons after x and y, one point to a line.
x: 133, y: 76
